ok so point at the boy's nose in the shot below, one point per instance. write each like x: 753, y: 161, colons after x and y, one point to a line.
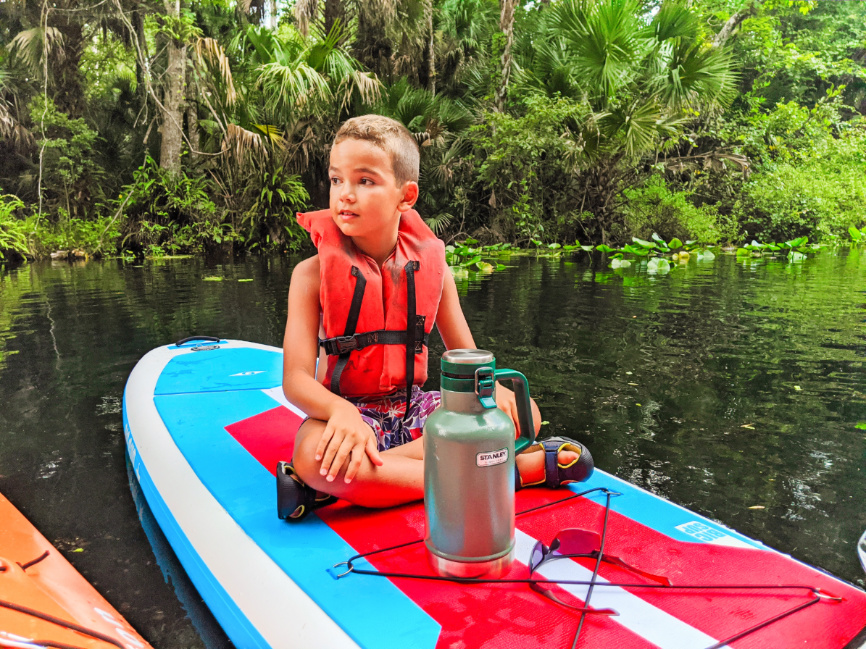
x: 347, y: 193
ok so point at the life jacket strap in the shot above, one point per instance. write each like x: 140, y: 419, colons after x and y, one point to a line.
x: 351, y: 324
x: 411, y: 330
x: 414, y: 337
x: 344, y: 344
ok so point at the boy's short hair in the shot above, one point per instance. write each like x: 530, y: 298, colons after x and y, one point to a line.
x: 390, y: 136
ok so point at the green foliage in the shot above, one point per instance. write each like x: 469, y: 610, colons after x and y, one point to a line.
x: 822, y: 194
x: 270, y: 220
x: 653, y: 207
x: 167, y: 213
x: 71, y: 174
x: 13, y: 230
x: 88, y: 236
x: 619, y: 121
x: 181, y: 29
x: 788, y: 54
x: 527, y: 167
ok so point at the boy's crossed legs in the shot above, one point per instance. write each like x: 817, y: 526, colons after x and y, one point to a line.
x: 400, y: 479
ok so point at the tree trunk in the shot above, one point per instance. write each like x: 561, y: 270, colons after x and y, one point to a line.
x: 172, y: 100
x: 192, y: 133
x: 431, y: 56
x: 732, y: 23
x: 68, y: 80
x: 506, y: 24
x: 334, y: 11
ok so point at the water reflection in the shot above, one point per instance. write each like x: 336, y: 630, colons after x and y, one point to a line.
x: 731, y: 387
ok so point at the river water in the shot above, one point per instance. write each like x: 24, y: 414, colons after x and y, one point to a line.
x: 731, y: 387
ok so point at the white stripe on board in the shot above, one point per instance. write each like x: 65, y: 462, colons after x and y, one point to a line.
x: 635, y: 614
x: 277, y: 395
x: 284, y: 615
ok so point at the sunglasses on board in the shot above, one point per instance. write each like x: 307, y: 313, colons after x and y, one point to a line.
x: 575, y: 543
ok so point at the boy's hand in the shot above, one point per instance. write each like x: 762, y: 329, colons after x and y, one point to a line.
x: 507, y: 403
x: 346, y: 438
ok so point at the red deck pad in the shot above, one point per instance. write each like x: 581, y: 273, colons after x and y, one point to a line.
x: 512, y: 616
x: 719, y: 614
x: 472, y: 616
x: 490, y: 616
x: 269, y: 437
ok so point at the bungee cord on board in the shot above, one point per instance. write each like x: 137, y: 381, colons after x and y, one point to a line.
x: 817, y: 594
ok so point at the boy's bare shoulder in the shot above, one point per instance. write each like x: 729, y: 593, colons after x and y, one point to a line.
x: 307, y: 270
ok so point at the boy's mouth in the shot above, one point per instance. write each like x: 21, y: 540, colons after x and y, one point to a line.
x: 346, y: 215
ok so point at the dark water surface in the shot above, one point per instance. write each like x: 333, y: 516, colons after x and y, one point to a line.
x: 732, y: 388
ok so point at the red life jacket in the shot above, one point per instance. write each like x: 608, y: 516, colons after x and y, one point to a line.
x: 377, y: 321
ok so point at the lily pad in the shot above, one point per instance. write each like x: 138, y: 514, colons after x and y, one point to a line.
x: 659, y: 266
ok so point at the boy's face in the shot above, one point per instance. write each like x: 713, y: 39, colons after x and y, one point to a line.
x: 366, y: 200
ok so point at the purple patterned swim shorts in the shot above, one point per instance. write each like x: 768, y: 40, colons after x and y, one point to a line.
x: 385, y: 415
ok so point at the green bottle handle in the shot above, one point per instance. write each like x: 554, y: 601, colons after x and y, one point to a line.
x: 524, y: 410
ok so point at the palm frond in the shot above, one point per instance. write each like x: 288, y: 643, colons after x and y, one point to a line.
x: 604, y: 37
x: 30, y: 44
x: 7, y: 122
x: 673, y: 21
x: 439, y: 223
x: 698, y: 75
x: 368, y: 86
x: 442, y: 172
x: 288, y: 87
x: 212, y: 58
x: 238, y: 142
x: 636, y: 126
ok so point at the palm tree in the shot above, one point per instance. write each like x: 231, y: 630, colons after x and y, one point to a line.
x: 642, y: 77
x: 391, y: 38
x: 277, y: 118
x: 440, y: 125
x: 506, y: 24
x: 465, y: 30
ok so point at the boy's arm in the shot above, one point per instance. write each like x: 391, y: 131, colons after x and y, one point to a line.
x: 455, y: 334
x: 346, y: 436
x: 450, y: 320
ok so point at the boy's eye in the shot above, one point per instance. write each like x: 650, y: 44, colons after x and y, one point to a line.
x: 366, y: 181
x: 335, y: 180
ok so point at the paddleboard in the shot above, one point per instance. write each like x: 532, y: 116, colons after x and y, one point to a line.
x: 45, y: 602
x: 206, y: 423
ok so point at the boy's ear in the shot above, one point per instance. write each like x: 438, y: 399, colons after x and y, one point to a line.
x: 410, y: 196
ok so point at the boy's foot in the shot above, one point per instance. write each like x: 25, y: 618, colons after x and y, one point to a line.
x: 563, y: 460
x: 294, y: 498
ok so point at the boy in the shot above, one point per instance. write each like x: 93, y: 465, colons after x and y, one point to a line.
x: 370, y: 299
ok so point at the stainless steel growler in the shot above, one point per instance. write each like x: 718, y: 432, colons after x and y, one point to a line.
x: 469, y: 449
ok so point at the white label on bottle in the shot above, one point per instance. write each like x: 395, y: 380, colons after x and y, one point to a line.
x: 492, y: 458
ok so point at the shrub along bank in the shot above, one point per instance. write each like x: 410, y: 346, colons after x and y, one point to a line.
x: 716, y: 122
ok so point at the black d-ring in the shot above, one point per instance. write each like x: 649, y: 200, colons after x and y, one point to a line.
x: 209, y: 339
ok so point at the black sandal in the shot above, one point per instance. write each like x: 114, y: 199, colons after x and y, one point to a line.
x: 556, y: 474
x: 294, y: 498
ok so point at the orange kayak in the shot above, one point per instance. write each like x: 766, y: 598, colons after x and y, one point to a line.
x: 45, y: 602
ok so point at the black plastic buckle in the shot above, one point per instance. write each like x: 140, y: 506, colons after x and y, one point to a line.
x: 420, y: 322
x: 345, y: 344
